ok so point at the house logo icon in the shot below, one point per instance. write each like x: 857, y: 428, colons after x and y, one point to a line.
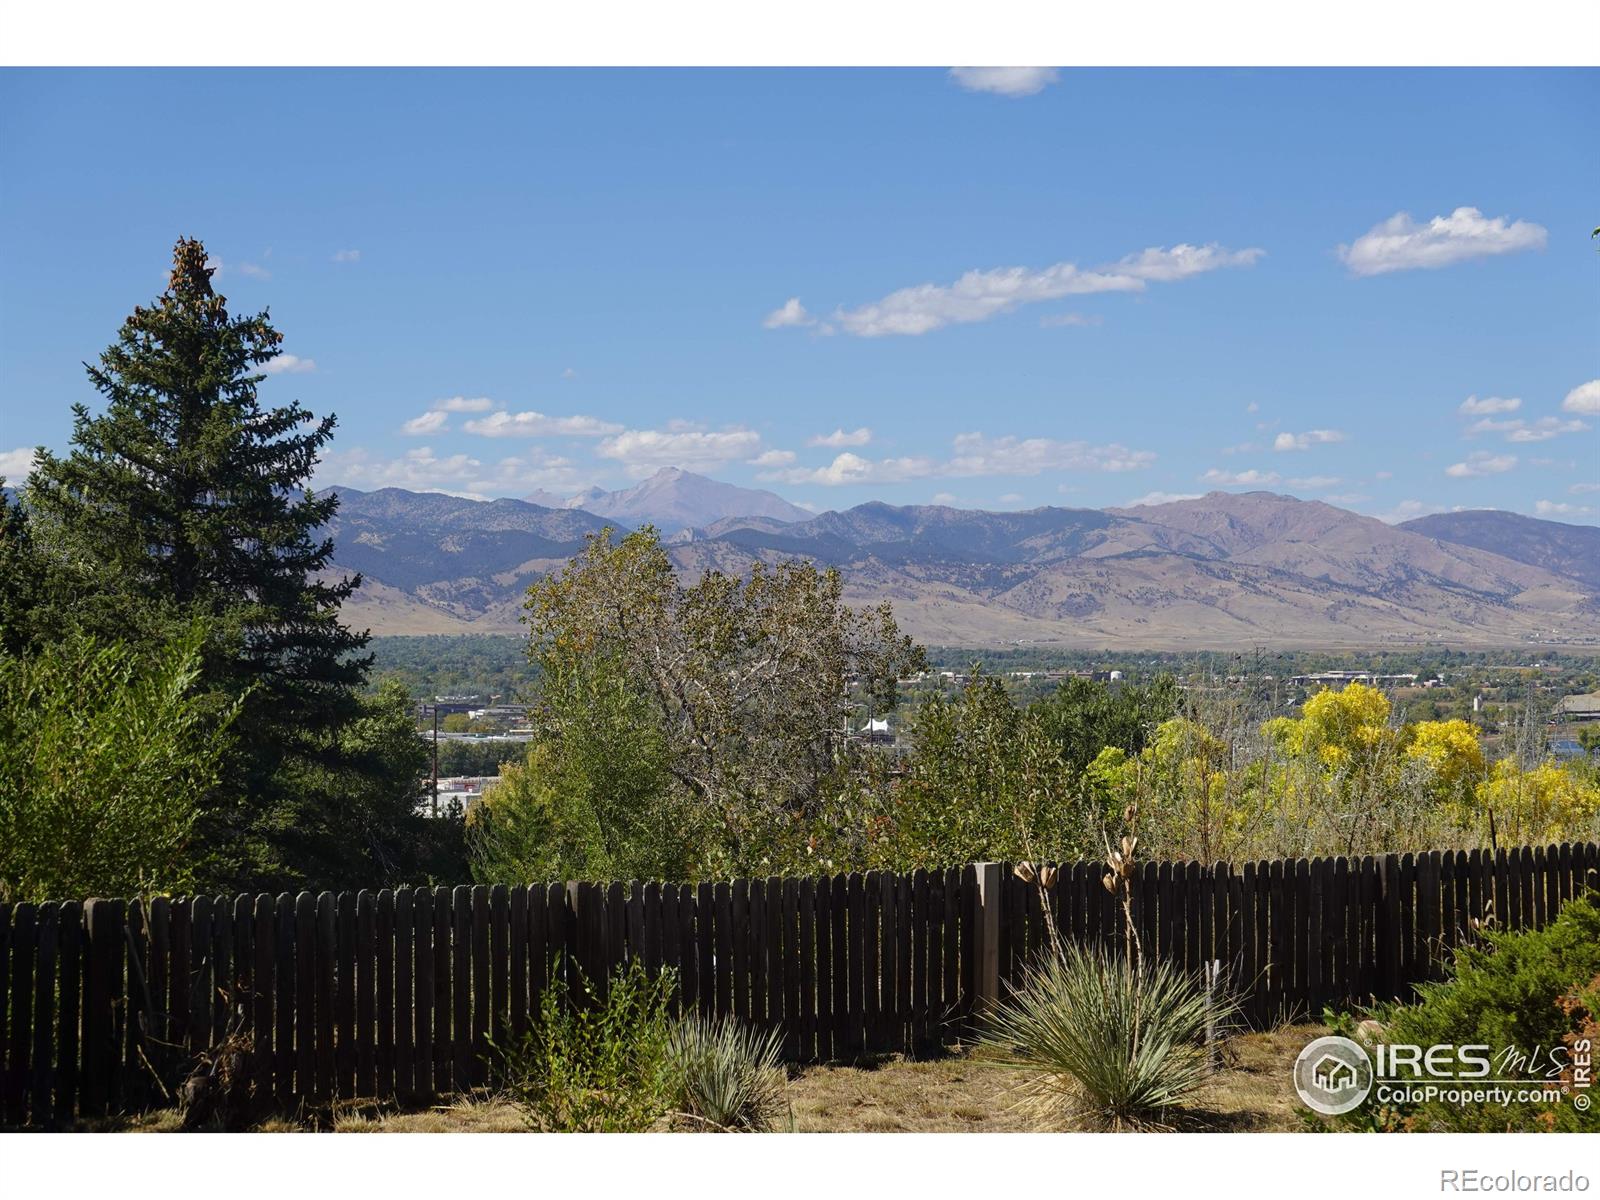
x: 1333, y: 1075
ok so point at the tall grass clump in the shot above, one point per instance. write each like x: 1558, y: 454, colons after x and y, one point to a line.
x: 1107, y: 1041
x: 730, y: 1076
x: 601, y: 1066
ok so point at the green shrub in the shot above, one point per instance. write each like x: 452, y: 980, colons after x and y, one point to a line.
x: 729, y: 1076
x: 1106, y: 1043
x: 1526, y: 989
x: 601, y: 1066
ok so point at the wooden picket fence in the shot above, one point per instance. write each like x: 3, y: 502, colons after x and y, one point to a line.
x: 404, y: 993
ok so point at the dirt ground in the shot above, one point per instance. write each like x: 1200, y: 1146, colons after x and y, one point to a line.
x: 952, y: 1093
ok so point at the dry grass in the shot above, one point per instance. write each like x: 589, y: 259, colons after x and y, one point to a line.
x: 952, y: 1094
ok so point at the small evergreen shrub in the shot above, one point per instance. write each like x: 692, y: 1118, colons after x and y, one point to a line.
x: 1529, y: 989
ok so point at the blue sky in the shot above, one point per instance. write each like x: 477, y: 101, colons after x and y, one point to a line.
x: 999, y: 290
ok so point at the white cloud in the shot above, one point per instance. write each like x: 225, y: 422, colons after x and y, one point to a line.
x: 289, y: 364
x: 1150, y: 499
x: 1316, y: 482
x: 428, y: 422
x: 253, y: 271
x: 1550, y: 508
x: 1408, y: 510
x: 1242, y: 448
x: 848, y: 468
x: 980, y: 295
x: 569, y: 373
x: 643, y: 451
x: 839, y: 438
x: 1516, y: 429
x: 537, y: 424
x: 1005, y: 81
x: 463, y: 404
x: 1252, y: 407
x: 16, y: 464
x: 974, y: 454
x: 792, y: 314
x: 1400, y: 244
x: 1585, y: 399
x: 948, y: 499
x: 1304, y: 441
x: 1481, y: 462
x: 1158, y: 265
x: 346, y: 256
x: 1546, y: 428
x: 1011, y: 498
x: 421, y: 470
x: 773, y: 458
x: 1488, y: 406
x: 1583, y: 489
x: 978, y: 454
x: 1250, y: 478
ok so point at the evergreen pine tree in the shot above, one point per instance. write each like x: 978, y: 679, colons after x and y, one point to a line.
x: 187, y: 497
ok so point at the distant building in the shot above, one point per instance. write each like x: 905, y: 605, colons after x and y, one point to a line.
x: 875, y: 731
x: 1579, y: 708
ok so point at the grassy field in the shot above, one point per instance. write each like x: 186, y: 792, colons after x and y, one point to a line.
x: 952, y: 1093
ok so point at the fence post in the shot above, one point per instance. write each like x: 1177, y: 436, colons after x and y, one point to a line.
x: 986, y: 928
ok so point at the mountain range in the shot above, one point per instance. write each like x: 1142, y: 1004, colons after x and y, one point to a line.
x: 1222, y: 571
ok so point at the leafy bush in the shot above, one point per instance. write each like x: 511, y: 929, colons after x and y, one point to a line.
x: 730, y: 1077
x: 1527, y: 989
x: 1107, y: 1043
x: 602, y: 1066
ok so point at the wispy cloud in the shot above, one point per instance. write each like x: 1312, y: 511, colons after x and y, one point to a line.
x: 973, y: 455
x: 427, y: 423
x: 1316, y: 483
x: 1304, y: 441
x: 253, y: 271
x: 423, y: 470
x: 289, y: 364
x: 1584, y: 399
x: 1553, y: 508
x: 463, y: 404
x: 1005, y: 81
x: 840, y: 438
x: 642, y: 451
x: 1071, y: 320
x: 1408, y: 510
x: 1400, y: 244
x: 790, y: 314
x: 981, y: 294
x: 346, y: 256
x: 1515, y: 429
x: 1489, y: 406
x: 1479, y: 463
x: 1250, y: 478
x: 1150, y: 499
x: 773, y: 458
x: 529, y: 424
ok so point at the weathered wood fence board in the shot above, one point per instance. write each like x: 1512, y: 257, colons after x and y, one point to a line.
x: 406, y: 992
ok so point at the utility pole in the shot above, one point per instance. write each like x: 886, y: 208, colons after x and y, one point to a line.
x: 435, y: 707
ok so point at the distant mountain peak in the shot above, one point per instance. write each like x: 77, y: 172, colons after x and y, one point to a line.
x: 674, y: 499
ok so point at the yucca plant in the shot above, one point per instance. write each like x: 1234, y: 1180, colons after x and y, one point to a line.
x: 1107, y: 1042
x: 729, y: 1075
